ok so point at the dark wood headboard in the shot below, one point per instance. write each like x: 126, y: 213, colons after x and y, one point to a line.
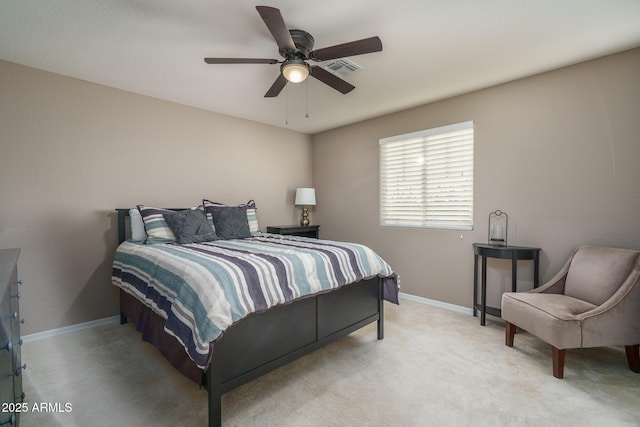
x: 122, y: 230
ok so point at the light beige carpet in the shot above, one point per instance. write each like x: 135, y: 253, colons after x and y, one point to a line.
x: 434, y: 368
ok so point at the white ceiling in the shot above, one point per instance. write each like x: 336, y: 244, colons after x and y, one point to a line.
x: 433, y: 49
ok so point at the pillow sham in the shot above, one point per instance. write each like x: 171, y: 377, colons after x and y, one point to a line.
x: 137, y: 226
x: 230, y: 222
x: 157, y: 229
x: 252, y: 216
x: 190, y: 226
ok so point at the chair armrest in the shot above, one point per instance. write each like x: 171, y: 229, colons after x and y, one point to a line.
x: 615, y: 321
x: 554, y: 286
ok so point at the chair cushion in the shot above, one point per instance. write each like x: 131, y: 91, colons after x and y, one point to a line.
x: 551, y: 317
x: 597, y: 272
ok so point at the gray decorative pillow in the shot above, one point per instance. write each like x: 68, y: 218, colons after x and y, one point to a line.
x: 190, y: 226
x: 252, y: 216
x: 230, y: 222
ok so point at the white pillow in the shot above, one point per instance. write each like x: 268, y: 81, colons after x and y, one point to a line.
x: 137, y: 226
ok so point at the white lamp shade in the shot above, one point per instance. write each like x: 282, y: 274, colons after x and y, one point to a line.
x: 305, y: 197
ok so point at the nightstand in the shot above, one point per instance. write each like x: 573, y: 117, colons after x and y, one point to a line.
x: 295, y: 230
x: 514, y: 253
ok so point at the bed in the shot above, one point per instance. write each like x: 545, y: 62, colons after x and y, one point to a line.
x: 223, y: 350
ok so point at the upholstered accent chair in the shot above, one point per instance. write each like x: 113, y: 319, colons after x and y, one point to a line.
x: 594, y: 301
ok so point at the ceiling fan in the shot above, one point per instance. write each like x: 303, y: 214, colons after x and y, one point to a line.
x: 295, y: 46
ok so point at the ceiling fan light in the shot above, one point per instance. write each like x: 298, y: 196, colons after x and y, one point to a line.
x: 295, y: 70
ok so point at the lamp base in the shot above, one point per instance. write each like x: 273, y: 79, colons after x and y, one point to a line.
x: 304, y: 221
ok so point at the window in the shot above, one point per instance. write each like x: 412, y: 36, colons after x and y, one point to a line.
x: 426, y: 178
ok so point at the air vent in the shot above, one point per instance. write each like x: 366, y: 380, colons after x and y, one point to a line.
x: 342, y: 67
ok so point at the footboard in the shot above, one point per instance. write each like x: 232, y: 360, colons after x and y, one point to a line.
x: 265, y: 341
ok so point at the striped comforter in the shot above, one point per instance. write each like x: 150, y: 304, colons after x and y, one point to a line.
x: 202, y: 289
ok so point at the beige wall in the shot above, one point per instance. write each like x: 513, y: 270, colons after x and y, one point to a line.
x: 559, y: 152
x: 71, y: 152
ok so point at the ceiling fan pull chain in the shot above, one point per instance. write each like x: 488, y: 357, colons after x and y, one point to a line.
x: 306, y: 88
x: 286, y: 106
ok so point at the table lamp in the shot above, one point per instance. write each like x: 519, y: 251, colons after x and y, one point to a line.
x: 305, y: 197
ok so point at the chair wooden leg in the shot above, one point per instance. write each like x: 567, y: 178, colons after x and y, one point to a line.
x: 509, y: 333
x: 633, y: 357
x: 558, y: 362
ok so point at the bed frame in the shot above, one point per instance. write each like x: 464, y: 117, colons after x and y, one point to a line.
x: 264, y: 341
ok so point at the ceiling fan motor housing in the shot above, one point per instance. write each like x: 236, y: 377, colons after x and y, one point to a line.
x: 304, y: 45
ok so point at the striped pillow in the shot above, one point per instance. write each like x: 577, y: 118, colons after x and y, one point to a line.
x: 252, y: 214
x: 157, y: 229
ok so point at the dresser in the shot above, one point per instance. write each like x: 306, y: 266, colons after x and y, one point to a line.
x: 11, y: 367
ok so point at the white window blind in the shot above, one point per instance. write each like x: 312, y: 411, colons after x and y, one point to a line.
x: 426, y: 178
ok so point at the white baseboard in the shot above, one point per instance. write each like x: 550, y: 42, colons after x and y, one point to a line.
x: 69, y: 329
x: 435, y: 303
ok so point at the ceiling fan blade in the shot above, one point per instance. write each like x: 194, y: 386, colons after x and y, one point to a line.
x: 275, y: 23
x: 331, y: 79
x: 358, y: 47
x: 276, y: 87
x: 240, y: 61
